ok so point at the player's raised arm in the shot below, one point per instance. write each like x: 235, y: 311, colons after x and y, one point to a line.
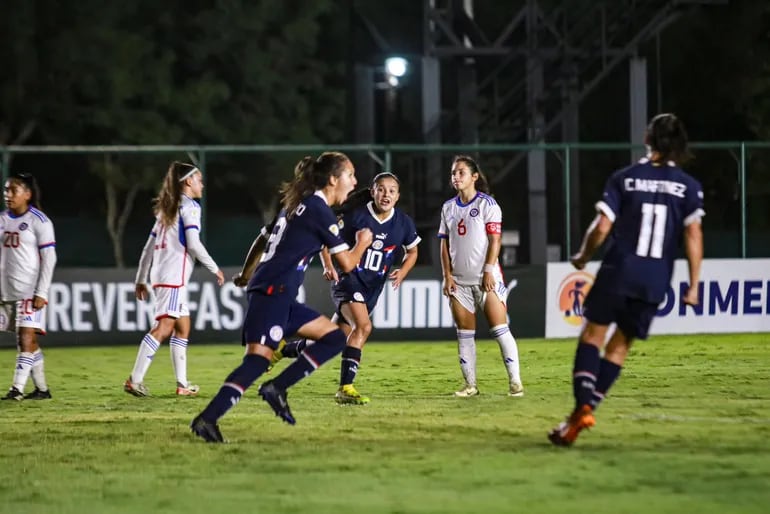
x: 348, y: 259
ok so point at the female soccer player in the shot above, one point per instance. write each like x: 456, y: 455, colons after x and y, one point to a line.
x: 305, y: 225
x: 355, y: 293
x: 27, y: 261
x: 169, y: 256
x: 647, y: 209
x: 470, y: 233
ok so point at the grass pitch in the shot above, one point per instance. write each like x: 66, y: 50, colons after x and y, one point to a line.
x: 686, y: 429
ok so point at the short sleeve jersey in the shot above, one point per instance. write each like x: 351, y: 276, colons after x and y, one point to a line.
x: 649, y: 205
x: 467, y: 227
x: 24, y: 237
x: 392, y: 236
x: 172, y: 265
x: 293, y: 243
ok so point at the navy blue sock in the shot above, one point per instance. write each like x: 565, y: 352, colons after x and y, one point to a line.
x: 294, y: 348
x: 314, y: 355
x: 351, y: 358
x: 584, y: 373
x: 608, y: 373
x: 235, y: 385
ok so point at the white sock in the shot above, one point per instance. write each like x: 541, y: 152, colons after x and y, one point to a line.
x: 144, y: 356
x: 24, y: 361
x: 466, y: 349
x: 509, y: 350
x: 179, y: 359
x: 38, y: 371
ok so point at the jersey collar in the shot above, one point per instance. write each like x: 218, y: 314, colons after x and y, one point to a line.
x: 370, y: 207
x: 459, y: 203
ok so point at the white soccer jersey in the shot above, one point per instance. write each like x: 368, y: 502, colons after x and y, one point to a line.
x: 467, y: 227
x: 171, y: 251
x: 28, y: 255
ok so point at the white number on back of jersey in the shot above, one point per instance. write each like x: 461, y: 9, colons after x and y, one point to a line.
x: 652, y: 231
x: 275, y: 237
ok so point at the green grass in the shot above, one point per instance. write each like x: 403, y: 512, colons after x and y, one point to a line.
x: 686, y: 429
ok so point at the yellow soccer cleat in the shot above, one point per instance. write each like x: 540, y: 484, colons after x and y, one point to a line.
x: 347, y: 395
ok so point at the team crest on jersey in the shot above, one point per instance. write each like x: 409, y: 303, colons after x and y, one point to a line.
x: 23, y: 226
x: 358, y: 297
x: 334, y: 229
x: 341, y: 223
x: 571, y: 294
x: 377, y: 245
x: 474, y: 212
x: 276, y: 333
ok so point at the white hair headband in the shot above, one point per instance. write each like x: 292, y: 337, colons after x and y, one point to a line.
x: 188, y: 174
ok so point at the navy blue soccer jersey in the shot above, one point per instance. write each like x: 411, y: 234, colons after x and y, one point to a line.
x: 649, y: 205
x: 293, y: 243
x: 390, y: 237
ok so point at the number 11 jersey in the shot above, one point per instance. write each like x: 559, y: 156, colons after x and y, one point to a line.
x: 649, y: 204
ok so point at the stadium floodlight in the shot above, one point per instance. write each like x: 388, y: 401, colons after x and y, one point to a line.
x: 396, y: 67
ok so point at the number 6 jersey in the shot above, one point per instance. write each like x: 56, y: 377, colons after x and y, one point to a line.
x: 649, y: 205
x: 28, y: 255
x: 467, y: 226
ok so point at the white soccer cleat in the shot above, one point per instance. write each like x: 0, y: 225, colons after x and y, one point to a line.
x: 190, y: 390
x: 467, y: 391
x: 516, y: 389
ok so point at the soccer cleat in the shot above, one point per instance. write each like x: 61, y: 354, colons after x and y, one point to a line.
x: 276, y: 398
x: 136, y: 389
x: 206, y: 430
x: 13, y: 394
x: 567, y: 431
x: 277, y: 355
x: 467, y: 391
x: 37, y: 394
x: 347, y: 395
x: 190, y: 390
x: 516, y: 389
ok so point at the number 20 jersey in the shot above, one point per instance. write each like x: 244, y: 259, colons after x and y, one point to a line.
x: 25, y: 237
x: 649, y: 204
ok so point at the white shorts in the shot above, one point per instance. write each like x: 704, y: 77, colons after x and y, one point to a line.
x: 19, y: 314
x: 171, y: 302
x: 472, y: 297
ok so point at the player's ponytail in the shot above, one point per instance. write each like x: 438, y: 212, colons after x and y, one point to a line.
x: 166, y: 204
x: 310, y: 175
x: 667, y: 136
x: 482, y: 184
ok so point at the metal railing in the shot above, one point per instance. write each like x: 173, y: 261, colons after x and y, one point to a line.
x: 740, y: 166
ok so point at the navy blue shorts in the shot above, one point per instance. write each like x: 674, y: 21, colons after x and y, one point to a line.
x: 270, y: 318
x: 632, y: 316
x: 350, y: 289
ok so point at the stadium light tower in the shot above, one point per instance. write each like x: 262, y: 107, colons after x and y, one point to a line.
x: 395, y: 68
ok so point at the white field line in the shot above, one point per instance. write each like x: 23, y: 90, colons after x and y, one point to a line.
x: 698, y: 419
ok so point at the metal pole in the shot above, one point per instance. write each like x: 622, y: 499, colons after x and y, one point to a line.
x: 388, y: 161
x: 5, y: 166
x: 567, y: 204
x: 743, y: 199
